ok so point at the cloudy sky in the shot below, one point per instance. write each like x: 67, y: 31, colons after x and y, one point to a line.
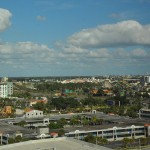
x: 74, y: 37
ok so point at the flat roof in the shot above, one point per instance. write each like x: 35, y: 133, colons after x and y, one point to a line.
x: 54, y: 144
x: 113, y: 119
x: 6, y: 128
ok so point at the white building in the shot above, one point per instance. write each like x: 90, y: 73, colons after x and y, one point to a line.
x: 107, y: 83
x: 6, y: 89
x: 114, y: 134
x: 147, y: 79
x: 144, y: 113
x: 33, y: 114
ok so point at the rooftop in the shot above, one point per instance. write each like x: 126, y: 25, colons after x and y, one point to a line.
x: 6, y: 128
x: 54, y: 144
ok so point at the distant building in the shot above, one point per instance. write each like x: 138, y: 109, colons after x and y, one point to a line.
x: 4, y: 79
x: 147, y: 79
x: 33, y: 114
x: 35, y: 101
x: 107, y: 84
x: 6, y: 89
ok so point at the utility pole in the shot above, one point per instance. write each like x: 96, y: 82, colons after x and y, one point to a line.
x: 96, y: 140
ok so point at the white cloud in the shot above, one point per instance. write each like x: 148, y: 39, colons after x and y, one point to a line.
x: 102, y: 53
x: 34, y: 54
x: 121, y: 53
x: 5, y: 48
x: 5, y: 16
x: 22, y: 52
x: 74, y: 49
x: 139, y: 53
x: 28, y: 47
x: 23, y: 47
x: 125, y: 33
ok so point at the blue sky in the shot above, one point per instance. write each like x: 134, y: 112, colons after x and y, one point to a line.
x: 74, y: 37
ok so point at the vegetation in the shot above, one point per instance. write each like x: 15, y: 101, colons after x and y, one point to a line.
x: 79, y: 97
x: 22, y: 123
x: 95, y: 140
x: 16, y: 139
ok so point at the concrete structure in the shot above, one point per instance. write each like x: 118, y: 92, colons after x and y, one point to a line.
x: 11, y: 131
x: 111, y: 134
x: 144, y: 113
x: 6, y: 89
x: 53, y: 144
x: 43, y: 130
x: 147, y: 129
x: 114, y: 127
x: 33, y: 114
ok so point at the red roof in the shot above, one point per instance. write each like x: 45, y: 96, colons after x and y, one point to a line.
x: 35, y: 100
x: 53, y: 133
x: 146, y: 125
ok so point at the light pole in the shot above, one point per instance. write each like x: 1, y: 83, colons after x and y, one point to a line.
x: 96, y: 140
x: 140, y: 144
x: 140, y: 113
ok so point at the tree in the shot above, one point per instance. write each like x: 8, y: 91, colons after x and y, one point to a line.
x: 101, y: 140
x: 18, y: 138
x: 143, y: 141
x: 131, y: 141
x: 40, y: 106
x: 100, y: 121
x: 84, y: 121
x: 126, y: 141
x: 75, y: 120
x: 11, y: 140
x: 62, y: 121
x: 90, y: 138
x: 61, y: 132
x: 59, y: 103
x: 100, y: 92
x: 55, y: 125
x: 94, y: 120
x: 22, y: 123
x: 90, y: 102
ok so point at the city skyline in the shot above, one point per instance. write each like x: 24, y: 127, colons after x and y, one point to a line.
x: 67, y: 37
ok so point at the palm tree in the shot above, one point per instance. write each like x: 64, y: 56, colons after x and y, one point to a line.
x: 101, y: 140
x: 94, y: 120
x: 126, y: 141
x: 143, y: 141
x: 75, y: 120
x: 84, y: 121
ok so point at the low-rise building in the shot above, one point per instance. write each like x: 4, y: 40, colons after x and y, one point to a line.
x: 11, y: 131
x: 33, y: 114
x: 112, y: 134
